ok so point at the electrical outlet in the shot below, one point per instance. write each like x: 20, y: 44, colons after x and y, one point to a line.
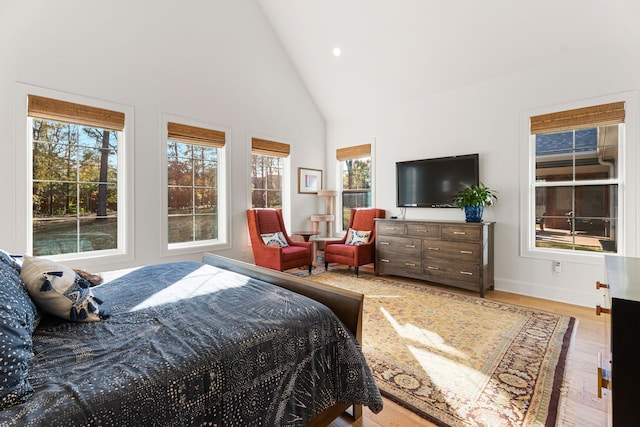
x: 557, y: 267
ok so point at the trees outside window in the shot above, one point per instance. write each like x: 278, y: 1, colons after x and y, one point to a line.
x: 356, y: 186
x: 266, y: 181
x: 75, y: 192
x: 269, y: 165
x: 192, y: 192
x: 196, y: 197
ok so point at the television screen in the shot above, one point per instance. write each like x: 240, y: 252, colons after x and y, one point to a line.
x: 432, y: 182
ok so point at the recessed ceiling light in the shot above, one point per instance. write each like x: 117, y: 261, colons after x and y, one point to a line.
x: 336, y: 51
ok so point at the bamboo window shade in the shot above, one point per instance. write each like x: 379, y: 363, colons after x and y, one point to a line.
x: 195, y: 135
x: 353, y: 152
x: 70, y: 112
x: 580, y: 118
x: 269, y: 148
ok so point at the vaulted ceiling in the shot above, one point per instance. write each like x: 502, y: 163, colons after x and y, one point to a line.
x: 396, y: 50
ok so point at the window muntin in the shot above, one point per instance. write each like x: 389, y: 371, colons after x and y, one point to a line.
x: 266, y: 180
x: 192, y: 190
x: 74, y: 187
x: 576, y: 189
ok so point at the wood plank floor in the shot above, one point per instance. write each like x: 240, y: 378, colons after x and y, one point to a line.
x: 583, y: 408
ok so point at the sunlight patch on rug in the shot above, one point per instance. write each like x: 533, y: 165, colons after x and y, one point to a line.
x: 460, y: 360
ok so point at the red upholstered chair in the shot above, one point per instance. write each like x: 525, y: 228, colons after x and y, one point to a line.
x: 267, y: 221
x: 341, y: 252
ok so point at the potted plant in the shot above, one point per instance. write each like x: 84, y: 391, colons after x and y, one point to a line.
x: 473, y: 199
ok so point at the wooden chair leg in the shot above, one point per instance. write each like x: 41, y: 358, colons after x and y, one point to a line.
x: 356, y: 271
x: 326, y: 266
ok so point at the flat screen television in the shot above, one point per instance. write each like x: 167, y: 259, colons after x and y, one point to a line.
x: 432, y: 182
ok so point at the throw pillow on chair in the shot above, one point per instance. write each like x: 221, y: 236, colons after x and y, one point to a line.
x: 275, y: 239
x: 357, y: 237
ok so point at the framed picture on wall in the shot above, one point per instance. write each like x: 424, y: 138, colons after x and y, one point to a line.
x: 309, y: 180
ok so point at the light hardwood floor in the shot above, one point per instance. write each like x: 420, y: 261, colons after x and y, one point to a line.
x: 583, y: 408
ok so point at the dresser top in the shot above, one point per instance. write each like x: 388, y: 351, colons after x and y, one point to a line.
x: 623, y: 275
x: 434, y: 221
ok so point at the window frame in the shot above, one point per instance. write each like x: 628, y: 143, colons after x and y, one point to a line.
x: 627, y: 183
x: 224, y: 226
x: 282, y: 148
x: 339, y: 205
x: 24, y: 177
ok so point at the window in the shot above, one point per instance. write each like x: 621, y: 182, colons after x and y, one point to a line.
x: 194, y: 163
x: 75, y: 177
x: 355, y: 167
x: 578, y: 156
x: 268, y: 163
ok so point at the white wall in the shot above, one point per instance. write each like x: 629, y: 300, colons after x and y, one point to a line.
x: 209, y: 61
x: 485, y: 119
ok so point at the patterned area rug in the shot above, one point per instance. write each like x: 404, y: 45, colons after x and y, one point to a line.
x: 460, y: 360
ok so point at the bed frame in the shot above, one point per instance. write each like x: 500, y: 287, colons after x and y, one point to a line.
x: 347, y: 306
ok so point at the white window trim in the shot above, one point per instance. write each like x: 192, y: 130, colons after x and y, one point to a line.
x: 627, y: 189
x: 338, y: 203
x: 24, y: 178
x: 224, y: 221
x: 286, y: 178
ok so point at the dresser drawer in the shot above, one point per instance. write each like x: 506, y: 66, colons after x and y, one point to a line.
x: 391, y: 263
x: 399, y: 245
x: 389, y: 228
x: 441, y: 269
x: 424, y: 230
x: 460, y: 233
x: 464, y: 252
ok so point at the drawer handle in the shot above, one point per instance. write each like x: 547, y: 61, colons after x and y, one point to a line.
x: 421, y: 230
x: 466, y: 252
x: 385, y: 243
x: 466, y: 273
x: 432, y: 268
x: 601, y: 285
x: 409, y: 246
x: 384, y: 260
x: 390, y: 228
x: 603, y: 377
x: 434, y: 249
x: 409, y: 264
x: 459, y: 232
x: 599, y: 310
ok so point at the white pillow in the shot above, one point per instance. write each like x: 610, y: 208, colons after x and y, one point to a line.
x: 275, y: 239
x: 357, y: 237
x: 58, y: 290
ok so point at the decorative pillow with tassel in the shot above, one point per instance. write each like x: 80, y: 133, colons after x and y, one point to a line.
x: 357, y: 237
x: 59, y: 290
x: 275, y: 239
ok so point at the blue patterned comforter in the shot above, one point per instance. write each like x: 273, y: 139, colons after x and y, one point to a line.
x: 192, y: 344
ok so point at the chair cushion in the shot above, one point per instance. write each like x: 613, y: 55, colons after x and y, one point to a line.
x: 357, y: 237
x: 275, y: 239
x: 340, y: 249
x: 291, y: 253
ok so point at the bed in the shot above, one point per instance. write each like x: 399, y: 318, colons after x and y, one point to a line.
x: 218, y: 343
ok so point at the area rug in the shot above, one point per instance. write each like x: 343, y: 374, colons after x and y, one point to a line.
x: 459, y: 360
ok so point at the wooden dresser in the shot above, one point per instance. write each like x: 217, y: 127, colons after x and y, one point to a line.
x: 623, y: 283
x: 452, y: 253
